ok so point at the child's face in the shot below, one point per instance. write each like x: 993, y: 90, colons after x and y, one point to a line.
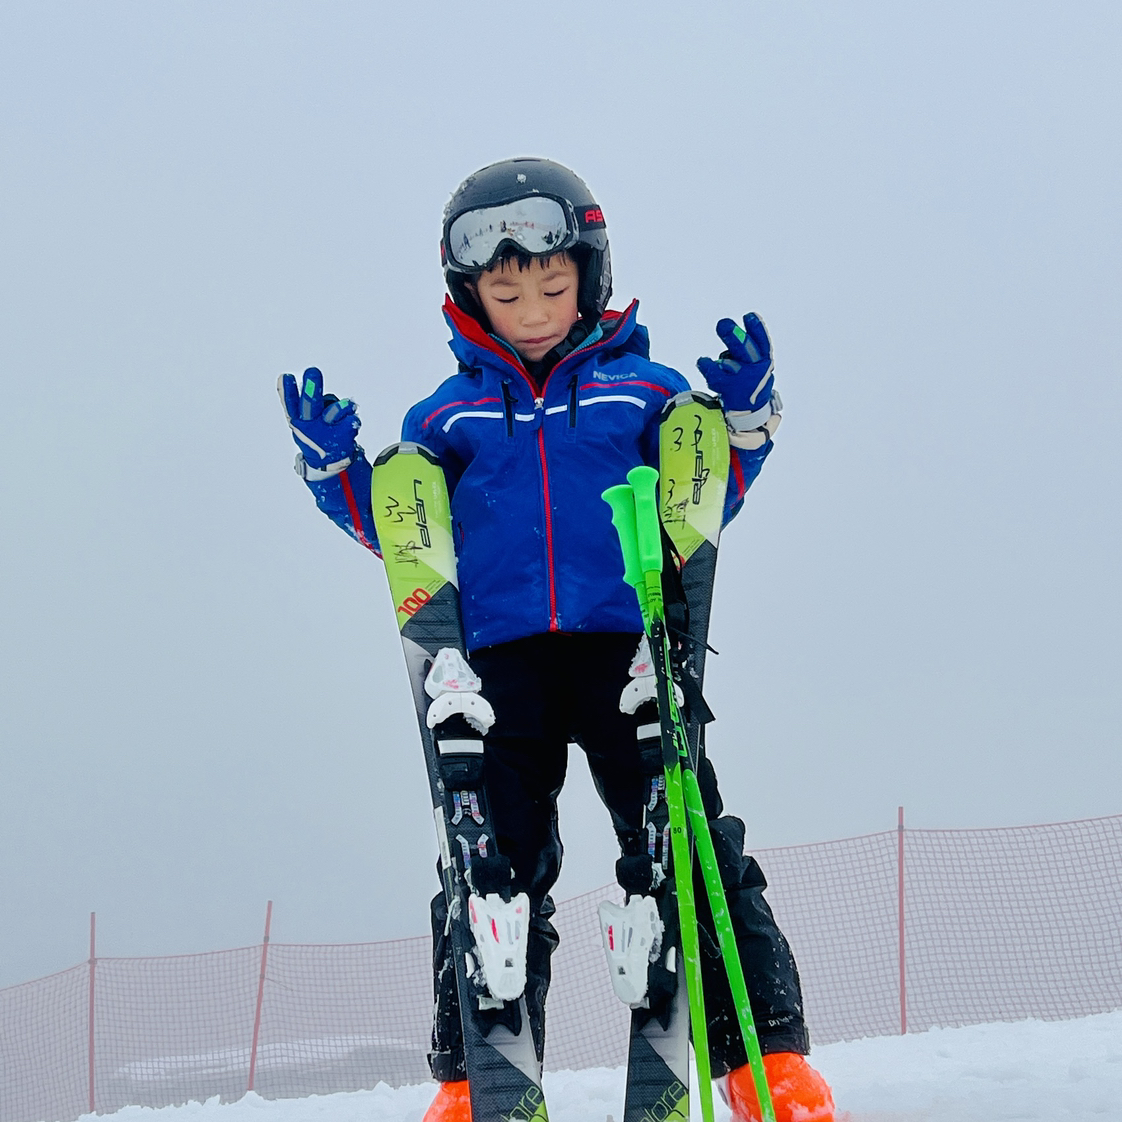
x: 532, y: 308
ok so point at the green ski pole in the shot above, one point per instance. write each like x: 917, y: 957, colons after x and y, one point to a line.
x: 726, y: 938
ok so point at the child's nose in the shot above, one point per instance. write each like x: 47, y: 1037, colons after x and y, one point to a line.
x: 536, y: 311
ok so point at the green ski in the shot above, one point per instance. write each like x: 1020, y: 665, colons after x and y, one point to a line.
x: 694, y: 467
x: 693, y: 481
x: 409, y: 496
x: 635, y: 514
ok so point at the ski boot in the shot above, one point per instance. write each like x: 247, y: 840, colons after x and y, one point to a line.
x: 798, y: 1092
x: 452, y: 1103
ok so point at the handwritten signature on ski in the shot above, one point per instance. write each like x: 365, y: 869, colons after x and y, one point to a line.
x: 674, y: 509
x: 397, y: 512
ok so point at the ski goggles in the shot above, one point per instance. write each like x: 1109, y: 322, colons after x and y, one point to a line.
x: 538, y: 225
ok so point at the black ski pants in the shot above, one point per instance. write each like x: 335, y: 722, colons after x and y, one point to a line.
x: 548, y: 691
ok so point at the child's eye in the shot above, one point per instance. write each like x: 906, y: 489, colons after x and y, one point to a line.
x: 561, y: 292
x: 506, y: 300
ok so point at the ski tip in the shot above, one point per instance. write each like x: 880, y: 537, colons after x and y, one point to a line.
x: 404, y: 448
x: 691, y: 397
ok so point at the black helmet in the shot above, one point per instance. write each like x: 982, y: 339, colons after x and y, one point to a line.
x: 536, y: 207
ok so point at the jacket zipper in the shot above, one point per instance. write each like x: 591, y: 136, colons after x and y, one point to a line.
x: 508, y: 407
x: 553, y: 624
x: 539, y: 403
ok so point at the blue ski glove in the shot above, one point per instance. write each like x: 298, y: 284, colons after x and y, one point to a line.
x: 743, y: 378
x: 323, y: 427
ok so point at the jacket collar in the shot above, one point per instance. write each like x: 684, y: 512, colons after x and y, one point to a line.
x: 474, y: 347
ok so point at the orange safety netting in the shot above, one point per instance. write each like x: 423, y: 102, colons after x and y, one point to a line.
x: 997, y: 924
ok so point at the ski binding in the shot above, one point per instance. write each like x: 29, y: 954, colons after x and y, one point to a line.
x: 643, y: 687
x: 632, y: 936
x: 499, y: 928
x: 454, y: 688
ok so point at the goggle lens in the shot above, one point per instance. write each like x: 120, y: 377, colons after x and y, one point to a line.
x: 537, y: 224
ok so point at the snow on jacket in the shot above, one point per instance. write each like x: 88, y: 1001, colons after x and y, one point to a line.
x: 536, y: 550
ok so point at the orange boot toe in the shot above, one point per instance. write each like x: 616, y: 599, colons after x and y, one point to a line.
x: 798, y: 1092
x: 452, y: 1103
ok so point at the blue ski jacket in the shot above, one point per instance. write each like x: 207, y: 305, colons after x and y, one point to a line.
x: 536, y: 549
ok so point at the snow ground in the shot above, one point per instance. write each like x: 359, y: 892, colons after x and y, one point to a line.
x: 1031, y: 1071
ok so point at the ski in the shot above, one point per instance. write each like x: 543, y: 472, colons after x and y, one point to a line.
x: 693, y: 477
x: 487, y: 926
x: 691, y: 442
x: 693, y: 481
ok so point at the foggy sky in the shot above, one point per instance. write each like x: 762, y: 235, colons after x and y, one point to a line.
x: 203, y: 704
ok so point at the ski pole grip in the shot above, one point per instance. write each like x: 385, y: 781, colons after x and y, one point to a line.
x: 644, y: 481
x: 622, y: 501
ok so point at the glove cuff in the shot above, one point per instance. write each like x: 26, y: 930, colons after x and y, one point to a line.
x: 307, y: 472
x: 755, y: 439
x: 744, y: 420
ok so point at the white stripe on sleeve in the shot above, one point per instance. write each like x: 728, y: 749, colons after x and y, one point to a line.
x: 469, y: 413
x: 615, y: 397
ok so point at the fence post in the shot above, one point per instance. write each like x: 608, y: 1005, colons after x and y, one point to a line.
x: 90, y: 1014
x: 900, y: 918
x: 260, y: 995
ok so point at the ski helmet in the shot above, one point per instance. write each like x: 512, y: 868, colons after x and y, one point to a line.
x: 536, y: 207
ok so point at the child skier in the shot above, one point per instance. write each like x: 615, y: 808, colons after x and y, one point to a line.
x: 555, y: 399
